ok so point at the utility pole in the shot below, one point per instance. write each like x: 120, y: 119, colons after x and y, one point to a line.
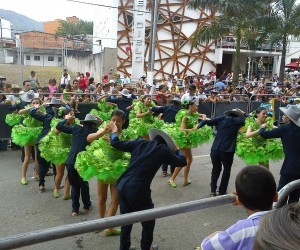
x: 151, y: 58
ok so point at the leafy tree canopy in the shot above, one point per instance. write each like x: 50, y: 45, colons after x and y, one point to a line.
x: 74, y: 28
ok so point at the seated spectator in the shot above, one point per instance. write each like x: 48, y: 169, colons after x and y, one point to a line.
x: 13, y: 98
x: 279, y: 229
x: 256, y: 192
x: 91, y: 84
x: 2, y: 97
x: 202, y: 95
x: 87, y: 98
x: 214, y: 97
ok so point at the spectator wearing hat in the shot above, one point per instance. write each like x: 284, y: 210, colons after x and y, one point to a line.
x: 289, y: 133
x: 134, y: 184
x: 13, y: 98
x: 223, y: 147
x: 191, y: 95
x: 79, y: 143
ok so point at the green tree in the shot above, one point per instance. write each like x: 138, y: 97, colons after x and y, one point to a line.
x: 232, y: 17
x: 74, y: 28
x: 283, y: 23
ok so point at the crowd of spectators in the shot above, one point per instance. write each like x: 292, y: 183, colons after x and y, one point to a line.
x: 203, y: 88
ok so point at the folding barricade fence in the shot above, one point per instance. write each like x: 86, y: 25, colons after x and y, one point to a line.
x: 210, y: 109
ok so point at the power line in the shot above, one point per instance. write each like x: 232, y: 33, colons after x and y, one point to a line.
x: 106, y: 6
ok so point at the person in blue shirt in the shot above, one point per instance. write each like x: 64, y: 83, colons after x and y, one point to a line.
x: 219, y: 85
x: 134, y: 184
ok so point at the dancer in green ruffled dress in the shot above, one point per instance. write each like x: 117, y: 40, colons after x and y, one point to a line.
x: 25, y: 135
x: 251, y: 147
x: 105, y: 109
x: 187, y: 136
x: 55, y: 147
x: 143, y: 120
x: 107, y: 164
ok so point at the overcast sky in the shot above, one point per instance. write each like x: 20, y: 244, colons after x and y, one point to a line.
x: 47, y: 10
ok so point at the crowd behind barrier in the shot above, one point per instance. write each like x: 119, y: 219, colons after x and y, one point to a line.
x: 210, y: 109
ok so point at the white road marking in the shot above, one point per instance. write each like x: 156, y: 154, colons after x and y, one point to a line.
x: 200, y: 156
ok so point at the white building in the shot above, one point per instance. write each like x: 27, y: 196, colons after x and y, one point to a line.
x: 5, y: 28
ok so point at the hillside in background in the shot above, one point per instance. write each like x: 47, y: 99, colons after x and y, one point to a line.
x: 21, y: 23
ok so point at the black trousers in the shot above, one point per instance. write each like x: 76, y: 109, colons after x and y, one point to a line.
x: 78, y: 186
x: 285, y: 179
x: 131, y: 202
x: 43, y: 167
x: 218, y: 159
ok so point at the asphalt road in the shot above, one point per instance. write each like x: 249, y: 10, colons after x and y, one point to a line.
x: 24, y: 209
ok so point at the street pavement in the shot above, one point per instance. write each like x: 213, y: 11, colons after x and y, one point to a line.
x: 24, y: 209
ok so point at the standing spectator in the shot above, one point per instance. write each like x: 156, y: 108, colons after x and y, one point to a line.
x: 69, y: 77
x: 34, y: 82
x: 82, y: 82
x: 64, y: 80
x: 126, y: 79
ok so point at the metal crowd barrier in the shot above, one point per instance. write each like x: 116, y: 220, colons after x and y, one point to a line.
x: 210, y: 109
x: 44, y: 235
x: 284, y: 193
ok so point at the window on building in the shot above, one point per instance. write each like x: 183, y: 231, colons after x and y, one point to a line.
x: 28, y: 58
x: 50, y: 58
x: 59, y: 59
x: 37, y: 58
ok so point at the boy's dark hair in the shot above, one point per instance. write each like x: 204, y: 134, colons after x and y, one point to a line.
x: 255, y: 187
x: 118, y: 113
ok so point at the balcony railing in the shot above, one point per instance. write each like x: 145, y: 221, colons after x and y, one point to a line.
x: 230, y: 43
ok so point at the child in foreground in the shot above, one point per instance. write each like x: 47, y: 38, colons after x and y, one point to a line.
x: 256, y: 192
